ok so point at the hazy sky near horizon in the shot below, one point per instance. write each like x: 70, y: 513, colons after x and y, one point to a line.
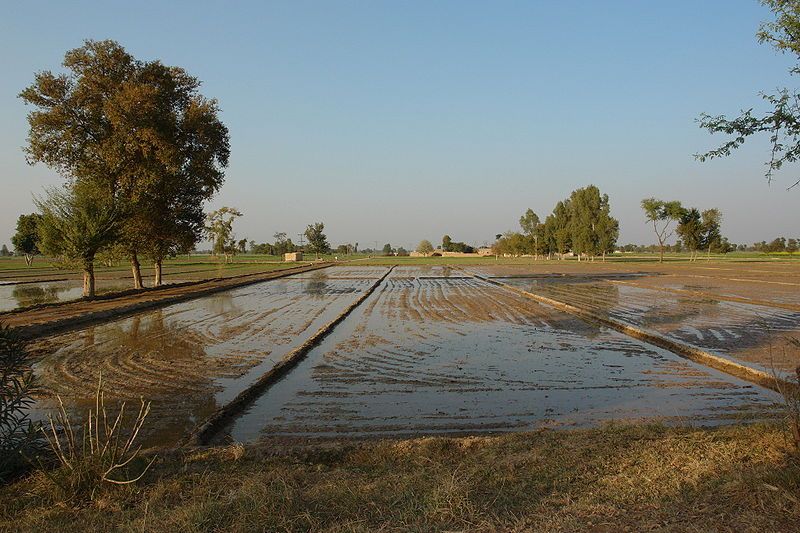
x: 398, y: 121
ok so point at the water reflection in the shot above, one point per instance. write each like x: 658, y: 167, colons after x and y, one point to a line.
x: 147, y: 357
x: 316, y: 285
x: 33, y: 294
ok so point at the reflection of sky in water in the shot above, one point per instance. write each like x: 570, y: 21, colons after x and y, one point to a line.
x: 192, y: 357
x: 753, y: 334
x: 26, y: 294
x: 426, y: 370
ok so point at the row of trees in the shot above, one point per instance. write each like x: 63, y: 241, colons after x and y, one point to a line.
x: 581, y: 224
x: 140, y: 149
x: 698, y: 231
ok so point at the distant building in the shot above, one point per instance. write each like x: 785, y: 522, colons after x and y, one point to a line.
x: 293, y: 256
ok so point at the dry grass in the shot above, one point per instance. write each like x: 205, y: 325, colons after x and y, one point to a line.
x: 616, y: 478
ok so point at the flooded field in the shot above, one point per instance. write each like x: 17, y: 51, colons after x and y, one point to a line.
x: 190, y: 358
x: 757, y: 335
x: 433, y: 355
x: 433, y: 350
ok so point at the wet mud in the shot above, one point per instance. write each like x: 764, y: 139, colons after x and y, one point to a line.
x: 426, y: 355
x: 189, y: 358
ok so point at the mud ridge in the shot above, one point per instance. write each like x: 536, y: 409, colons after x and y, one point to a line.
x: 204, y: 432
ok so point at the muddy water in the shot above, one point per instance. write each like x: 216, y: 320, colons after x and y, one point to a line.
x: 190, y: 358
x: 14, y: 296
x: 756, y: 335
x: 427, y: 355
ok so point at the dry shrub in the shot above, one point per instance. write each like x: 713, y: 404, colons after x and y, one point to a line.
x: 105, y: 454
x: 790, y: 390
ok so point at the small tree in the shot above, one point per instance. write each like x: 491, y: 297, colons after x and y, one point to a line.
x: 317, y: 241
x: 425, y: 247
x: 387, y: 249
x: 712, y: 235
x: 77, y: 224
x: 219, y: 228
x: 26, y: 240
x: 4, y: 251
x: 661, y: 214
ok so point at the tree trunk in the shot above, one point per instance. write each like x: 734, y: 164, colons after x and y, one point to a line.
x: 157, y: 268
x: 136, y: 268
x: 88, y: 279
x: 29, y: 259
x: 660, y: 252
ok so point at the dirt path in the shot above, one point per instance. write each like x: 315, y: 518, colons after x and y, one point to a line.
x: 55, y: 318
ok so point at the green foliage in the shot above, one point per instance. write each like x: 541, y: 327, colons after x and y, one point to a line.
x: 782, y: 124
x: 446, y: 243
x: 425, y: 247
x: 662, y: 214
x: 529, y: 222
x: 712, y: 236
x: 26, y: 239
x: 77, y: 223
x: 137, y: 132
x: 387, y: 249
x: 219, y: 228
x: 317, y: 241
x: 19, y: 436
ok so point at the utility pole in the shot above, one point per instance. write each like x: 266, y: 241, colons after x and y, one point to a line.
x: 301, y: 235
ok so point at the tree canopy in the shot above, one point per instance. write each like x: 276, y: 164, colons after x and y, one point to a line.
x: 26, y: 239
x: 781, y: 124
x: 317, y: 240
x: 140, y: 133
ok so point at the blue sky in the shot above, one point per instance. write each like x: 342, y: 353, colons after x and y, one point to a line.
x: 398, y: 121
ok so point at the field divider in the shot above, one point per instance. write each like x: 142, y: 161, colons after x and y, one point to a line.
x: 204, y: 431
x: 753, y: 375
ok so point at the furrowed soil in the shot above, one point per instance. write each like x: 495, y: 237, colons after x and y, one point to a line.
x: 430, y: 353
x: 192, y: 357
x: 48, y: 318
x: 749, y: 313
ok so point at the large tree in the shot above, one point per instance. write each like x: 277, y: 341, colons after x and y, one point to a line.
x: 593, y: 230
x: 606, y: 228
x: 781, y: 124
x: 26, y: 239
x: 140, y: 132
x: 662, y: 214
x: 317, y: 241
x: 529, y: 222
x: 76, y: 224
x: 561, y: 227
